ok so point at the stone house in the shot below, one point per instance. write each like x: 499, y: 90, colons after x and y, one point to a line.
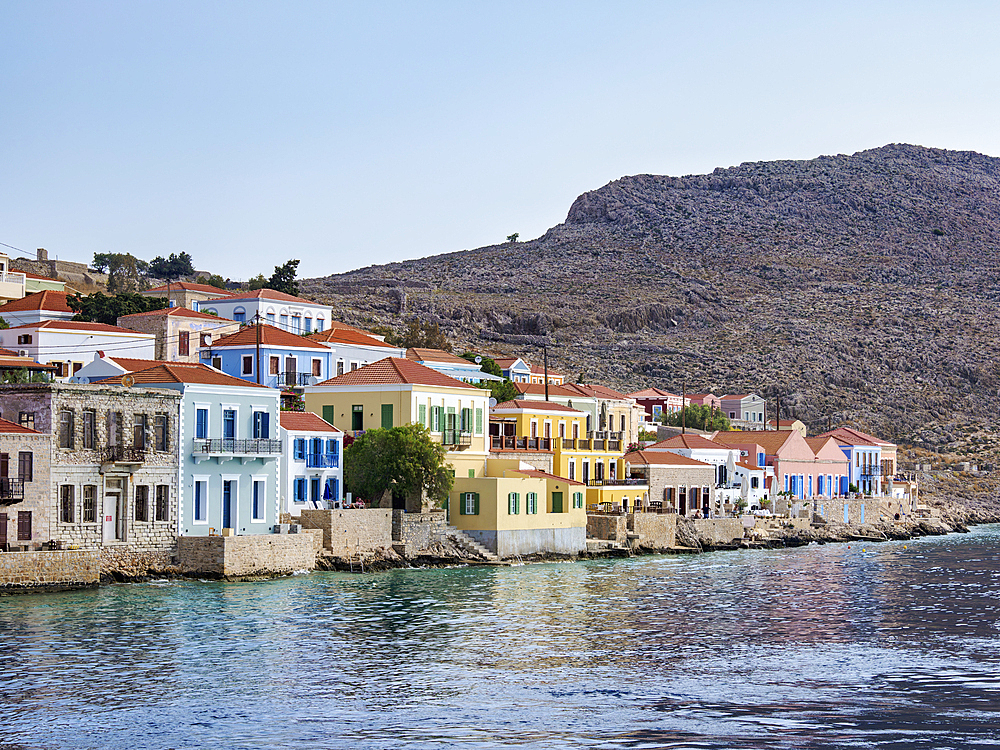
x: 678, y: 483
x: 186, y: 293
x: 24, y: 486
x: 112, y: 476
x: 180, y: 333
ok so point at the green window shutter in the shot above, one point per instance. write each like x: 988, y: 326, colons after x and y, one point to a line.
x: 328, y: 412
x: 386, y: 416
x: 466, y: 420
x: 510, y: 504
x: 446, y: 502
x: 479, y: 421
x: 422, y: 414
x: 476, y: 501
x: 461, y: 504
x: 472, y: 473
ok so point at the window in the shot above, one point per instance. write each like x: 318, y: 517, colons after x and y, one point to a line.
x: 329, y: 412
x: 270, y: 318
x: 317, y: 368
x: 340, y: 367
x: 114, y: 428
x: 247, y: 364
x: 465, y: 425
x: 261, y: 425
x: 283, y: 322
x: 205, y: 340
x: 513, y: 504
x: 162, y: 502
x: 296, y: 323
x: 623, y: 423
x: 27, y: 419
x: 160, y: 433
x: 531, y: 503
x: 577, y: 499
x: 25, y: 466
x: 201, y: 501
x: 66, y: 428
x: 557, y: 502
x: 184, y: 343
x: 357, y: 417
x: 201, y: 424
x: 24, y: 526
x: 67, y: 503
x: 89, y: 503
x: 141, y: 502
x: 422, y: 414
x: 319, y: 324
x: 435, y: 419
x: 354, y: 366
x: 258, y: 500
x: 314, y: 489
x: 468, y: 504
x: 274, y: 364
x: 217, y: 363
x: 300, y: 449
x: 139, y: 431
x: 299, y: 490
x: 309, y: 325
x: 24, y: 338
x: 479, y: 421
x: 89, y: 429
x: 332, y: 447
x: 572, y: 468
x: 229, y: 424
x: 240, y: 316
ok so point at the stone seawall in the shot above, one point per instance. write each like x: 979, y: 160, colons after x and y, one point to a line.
x: 252, y: 556
x: 418, y: 532
x: 350, y: 533
x: 607, y: 528
x: 714, y: 532
x: 124, y: 564
x: 656, y: 531
x: 24, y: 572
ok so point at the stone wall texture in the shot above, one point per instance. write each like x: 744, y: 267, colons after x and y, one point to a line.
x: 507, y: 543
x: 418, y: 531
x: 719, y: 530
x: 348, y: 533
x: 609, y: 528
x: 122, y: 562
x: 41, y: 571
x: 252, y: 556
x: 657, y: 531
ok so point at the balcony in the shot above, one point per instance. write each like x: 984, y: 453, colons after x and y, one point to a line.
x: 457, y: 438
x: 245, y: 449
x: 512, y: 443
x: 292, y: 379
x: 322, y: 460
x: 12, y: 285
x: 122, y: 454
x: 11, y: 491
x: 593, y: 444
x: 631, y: 482
x: 605, y: 435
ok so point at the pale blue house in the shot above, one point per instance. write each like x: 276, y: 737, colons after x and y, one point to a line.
x: 270, y: 356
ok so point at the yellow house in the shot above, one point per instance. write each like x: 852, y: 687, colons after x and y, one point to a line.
x: 393, y: 392
x: 519, y: 510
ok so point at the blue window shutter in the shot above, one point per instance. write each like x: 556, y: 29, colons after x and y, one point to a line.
x: 266, y: 425
x: 201, y: 426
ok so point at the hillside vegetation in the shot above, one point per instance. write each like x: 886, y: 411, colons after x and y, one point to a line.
x: 860, y: 289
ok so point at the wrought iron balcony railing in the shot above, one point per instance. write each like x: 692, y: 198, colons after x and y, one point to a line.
x: 11, y: 491
x: 122, y: 454
x: 243, y: 446
x: 322, y: 460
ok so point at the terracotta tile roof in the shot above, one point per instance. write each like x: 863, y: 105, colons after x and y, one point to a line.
x: 561, y: 391
x: 594, y: 391
x: 174, y: 372
x: 530, y: 405
x: 849, y: 433
x: 536, y: 370
x: 6, y: 426
x: 305, y: 421
x: 734, y: 395
x: 188, y: 286
x: 269, y: 336
x: 393, y: 370
x: 48, y: 299
x: 749, y: 466
x: 818, y: 442
x: 174, y: 312
x: 770, y: 440
x: 133, y: 364
x: 652, y: 393
x: 271, y: 294
x: 505, y: 362
x: 348, y: 336
x: 7, y: 352
x: 782, y: 423
x: 662, y: 457
x: 436, y: 355
x: 690, y: 442
x: 80, y: 325
x: 13, y: 361
x: 31, y: 275
x: 538, y: 474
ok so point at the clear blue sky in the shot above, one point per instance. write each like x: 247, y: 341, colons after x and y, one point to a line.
x: 347, y: 134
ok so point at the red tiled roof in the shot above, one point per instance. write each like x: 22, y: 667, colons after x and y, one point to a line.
x: 536, y: 370
x: 134, y: 364
x: 749, y: 466
x: 31, y: 275
x: 271, y: 294
x: 188, y: 286
x: 594, y: 391
x: 545, y: 475
x: 348, y: 336
x: 661, y: 457
x: 6, y: 426
x: 393, y: 370
x: 49, y: 300
x: 269, y: 336
x: 769, y: 440
x: 436, y: 355
x: 7, y: 352
x: 305, y: 421
x: 554, y: 390
x: 174, y: 372
x: 13, y: 361
x: 505, y: 362
x: 176, y: 312
x: 529, y: 405
x: 687, y: 441
x: 652, y: 393
x: 849, y: 433
x: 80, y: 325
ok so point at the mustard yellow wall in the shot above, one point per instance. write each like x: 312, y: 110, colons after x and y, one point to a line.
x: 371, y: 401
x: 523, y: 422
x: 597, y: 495
x: 493, y: 496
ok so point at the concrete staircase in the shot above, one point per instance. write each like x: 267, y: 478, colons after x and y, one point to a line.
x: 470, y: 545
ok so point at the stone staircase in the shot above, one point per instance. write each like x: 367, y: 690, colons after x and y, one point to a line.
x: 470, y: 545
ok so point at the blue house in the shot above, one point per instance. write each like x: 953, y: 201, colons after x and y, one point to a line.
x: 229, y: 447
x: 311, y: 470
x: 270, y: 356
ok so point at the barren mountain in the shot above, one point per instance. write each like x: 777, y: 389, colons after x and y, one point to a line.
x: 860, y: 289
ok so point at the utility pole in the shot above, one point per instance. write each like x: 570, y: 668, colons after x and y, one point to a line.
x: 256, y: 318
x: 684, y: 391
x: 545, y: 359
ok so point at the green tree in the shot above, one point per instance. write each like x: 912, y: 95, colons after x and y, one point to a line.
x: 502, y: 390
x: 126, y: 273
x: 4, y: 324
x: 174, y: 267
x: 257, y: 282
x: 283, y: 278
x: 402, y: 460
x: 217, y: 281
x: 424, y: 336
x: 100, y: 308
x: 513, y: 237
x: 486, y: 364
x: 697, y: 417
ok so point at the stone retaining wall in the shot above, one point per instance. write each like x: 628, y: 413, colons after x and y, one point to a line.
x: 129, y: 564
x: 251, y: 556
x: 719, y: 530
x: 348, y: 533
x: 418, y: 531
x: 609, y: 528
x: 22, y: 572
x: 656, y: 530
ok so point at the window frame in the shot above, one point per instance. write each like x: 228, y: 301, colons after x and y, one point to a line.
x: 67, y: 503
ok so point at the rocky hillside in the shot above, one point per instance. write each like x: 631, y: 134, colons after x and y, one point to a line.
x: 860, y: 289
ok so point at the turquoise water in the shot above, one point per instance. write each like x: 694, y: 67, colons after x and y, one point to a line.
x: 887, y: 646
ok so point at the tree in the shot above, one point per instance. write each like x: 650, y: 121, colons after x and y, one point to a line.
x: 126, y: 273
x: 100, y: 308
x: 486, y: 364
x: 217, y: 281
x: 257, y: 282
x: 513, y: 237
x: 173, y: 267
x: 698, y: 418
x: 4, y: 324
x: 401, y: 460
x: 502, y: 390
x: 422, y: 335
x: 283, y: 278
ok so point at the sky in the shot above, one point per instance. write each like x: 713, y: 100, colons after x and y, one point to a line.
x: 348, y: 134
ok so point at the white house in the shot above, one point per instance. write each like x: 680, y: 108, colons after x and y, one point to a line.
x: 12, y: 283
x: 352, y: 348
x: 71, y: 344
x: 36, y: 308
x: 311, y: 469
x: 290, y: 313
x: 449, y: 364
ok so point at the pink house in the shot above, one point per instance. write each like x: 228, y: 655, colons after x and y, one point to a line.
x: 657, y: 401
x: 705, y: 399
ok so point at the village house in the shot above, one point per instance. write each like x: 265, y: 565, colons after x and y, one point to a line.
x: 705, y: 399
x: 25, y: 498
x: 180, y: 333
x: 311, y: 471
x: 450, y: 365
x: 351, y: 348
x: 675, y: 483
x: 657, y: 402
x: 37, y: 308
x: 12, y: 283
x: 286, y: 360
x: 186, y: 294
x: 610, y: 415
x: 746, y: 411
x: 287, y: 312
x: 14, y: 367
x: 788, y: 424
x: 864, y: 458
x: 517, y: 370
x: 111, y: 474
x: 886, y: 454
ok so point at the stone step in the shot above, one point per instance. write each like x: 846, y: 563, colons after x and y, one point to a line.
x: 470, y: 545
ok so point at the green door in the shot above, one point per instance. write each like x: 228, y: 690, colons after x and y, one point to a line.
x: 386, y: 416
x: 328, y: 412
x: 557, y: 506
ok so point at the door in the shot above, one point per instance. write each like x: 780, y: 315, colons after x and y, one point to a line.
x: 24, y: 526
x: 290, y: 371
x: 3, y: 531
x: 227, y: 500
x: 557, y: 502
x: 682, y: 500
x: 110, y: 515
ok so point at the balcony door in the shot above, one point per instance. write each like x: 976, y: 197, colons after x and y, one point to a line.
x: 115, y: 514
x: 227, y: 504
x: 3, y: 531
x: 290, y: 371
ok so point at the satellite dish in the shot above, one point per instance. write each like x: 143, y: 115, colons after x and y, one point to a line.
x: 479, y: 360
x: 493, y: 402
x: 128, y: 380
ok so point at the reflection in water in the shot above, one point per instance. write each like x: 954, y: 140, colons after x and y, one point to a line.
x: 887, y: 646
